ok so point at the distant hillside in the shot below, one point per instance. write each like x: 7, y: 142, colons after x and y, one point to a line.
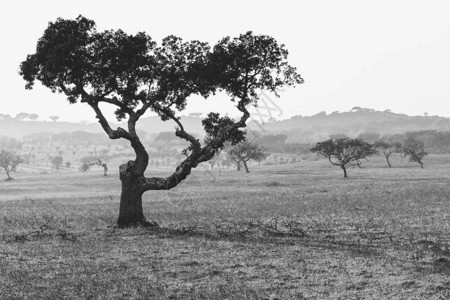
x: 155, y: 125
x: 18, y: 129
x: 298, y: 129
x: 151, y: 125
x: 321, y: 126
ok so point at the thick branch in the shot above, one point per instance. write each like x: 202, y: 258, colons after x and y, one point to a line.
x: 113, y: 134
x: 197, y: 157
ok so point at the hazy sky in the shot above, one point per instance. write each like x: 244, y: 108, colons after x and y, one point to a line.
x: 376, y: 54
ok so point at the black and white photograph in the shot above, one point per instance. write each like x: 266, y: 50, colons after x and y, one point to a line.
x: 246, y: 149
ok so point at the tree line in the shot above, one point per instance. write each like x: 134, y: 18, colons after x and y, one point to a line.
x: 345, y: 151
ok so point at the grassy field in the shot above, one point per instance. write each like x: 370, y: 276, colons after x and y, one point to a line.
x: 293, y: 231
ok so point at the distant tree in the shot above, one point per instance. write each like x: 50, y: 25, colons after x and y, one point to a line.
x: 21, y: 116
x: 5, y: 117
x: 54, y: 118
x: 33, y: 117
x: 387, y: 149
x: 195, y: 114
x: 216, y: 159
x: 56, y: 162
x: 415, y: 150
x: 344, y: 151
x: 9, y: 162
x: 245, y: 152
x: 86, y: 166
x: 67, y: 165
x: 134, y: 74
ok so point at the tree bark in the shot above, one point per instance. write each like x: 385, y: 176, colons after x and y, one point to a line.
x: 239, y: 166
x: 345, y: 171
x: 246, y: 167
x: 131, y: 212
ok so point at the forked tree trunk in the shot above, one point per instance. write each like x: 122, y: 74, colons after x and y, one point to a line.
x: 246, y: 167
x: 345, y: 171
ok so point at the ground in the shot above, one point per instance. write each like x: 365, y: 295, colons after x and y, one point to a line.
x: 292, y: 231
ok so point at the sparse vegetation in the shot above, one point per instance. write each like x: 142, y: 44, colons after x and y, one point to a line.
x: 302, y: 234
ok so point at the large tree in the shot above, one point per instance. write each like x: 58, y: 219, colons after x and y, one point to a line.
x: 244, y: 152
x: 134, y: 74
x: 344, y: 151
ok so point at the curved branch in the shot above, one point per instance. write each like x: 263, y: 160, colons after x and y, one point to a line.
x: 197, y: 156
x: 113, y: 134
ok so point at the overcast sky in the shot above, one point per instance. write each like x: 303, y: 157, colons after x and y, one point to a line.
x: 378, y: 54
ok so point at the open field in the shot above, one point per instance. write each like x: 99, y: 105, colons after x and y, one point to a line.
x: 293, y: 231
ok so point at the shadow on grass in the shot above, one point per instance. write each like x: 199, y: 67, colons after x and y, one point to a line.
x: 267, y: 237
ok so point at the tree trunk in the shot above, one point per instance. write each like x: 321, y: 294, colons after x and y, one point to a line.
x: 388, y: 162
x: 246, y: 167
x: 345, y: 171
x: 105, y: 170
x: 239, y: 166
x: 421, y: 164
x: 7, y: 173
x: 130, y: 212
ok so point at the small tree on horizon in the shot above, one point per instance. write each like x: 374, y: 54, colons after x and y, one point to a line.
x: 33, y: 117
x: 134, y: 74
x: 54, y: 118
x: 9, y: 162
x: 344, y: 151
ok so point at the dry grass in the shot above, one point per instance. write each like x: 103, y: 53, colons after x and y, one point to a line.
x: 281, y: 232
